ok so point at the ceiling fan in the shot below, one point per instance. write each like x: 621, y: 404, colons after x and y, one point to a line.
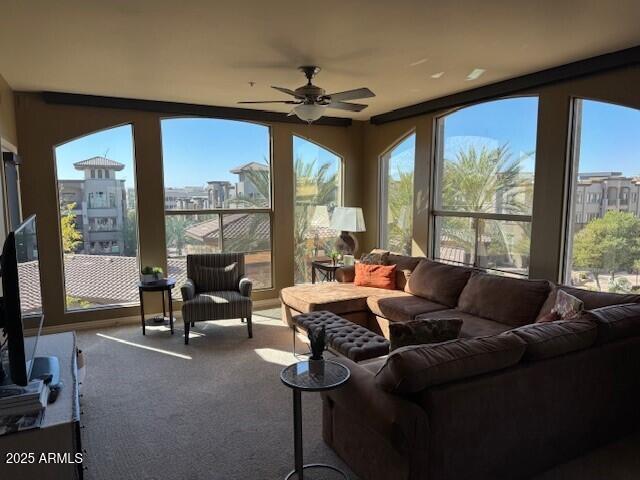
x: 311, y: 101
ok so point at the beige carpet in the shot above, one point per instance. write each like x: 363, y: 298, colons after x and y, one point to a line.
x: 216, y: 409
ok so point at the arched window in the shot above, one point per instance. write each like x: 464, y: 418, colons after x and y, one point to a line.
x: 483, y: 186
x: 602, y: 251
x: 396, y: 196
x: 217, y: 193
x: 98, y: 219
x: 318, y: 190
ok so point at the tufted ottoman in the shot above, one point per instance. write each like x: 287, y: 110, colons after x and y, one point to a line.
x: 344, y: 337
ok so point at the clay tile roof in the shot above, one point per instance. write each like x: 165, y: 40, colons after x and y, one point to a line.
x: 249, y: 166
x: 99, y: 279
x: 100, y: 162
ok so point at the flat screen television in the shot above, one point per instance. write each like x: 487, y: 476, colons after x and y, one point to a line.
x: 21, y: 299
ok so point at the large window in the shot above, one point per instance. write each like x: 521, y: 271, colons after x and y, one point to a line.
x: 396, y: 196
x: 485, y: 166
x: 318, y: 179
x: 217, y: 193
x: 98, y: 220
x: 603, y: 248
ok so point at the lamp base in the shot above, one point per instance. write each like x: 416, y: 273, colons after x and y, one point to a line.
x: 346, y: 244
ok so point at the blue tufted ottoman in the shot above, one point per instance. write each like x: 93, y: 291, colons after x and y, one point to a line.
x: 344, y: 337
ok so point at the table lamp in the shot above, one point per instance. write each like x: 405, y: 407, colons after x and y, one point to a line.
x: 347, y: 220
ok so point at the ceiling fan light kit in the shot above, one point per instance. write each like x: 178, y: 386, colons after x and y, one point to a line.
x: 311, y: 101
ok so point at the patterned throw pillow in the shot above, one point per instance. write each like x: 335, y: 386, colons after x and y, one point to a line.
x: 209, y: 279
x: 428, y: 330
x: 375, y: 258
x: 567, y: 307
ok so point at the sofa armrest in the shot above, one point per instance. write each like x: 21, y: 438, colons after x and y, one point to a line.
x: 346, y: 274
x: 402, y: 422
x: 245, y: 287
x: 188, y: 290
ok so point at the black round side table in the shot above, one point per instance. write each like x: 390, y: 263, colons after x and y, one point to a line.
x: 299, y: 379
x: 163, y: 285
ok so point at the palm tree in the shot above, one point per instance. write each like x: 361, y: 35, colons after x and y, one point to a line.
x: 315, y: 185
x: 482, y: 180
x: 400, y: 212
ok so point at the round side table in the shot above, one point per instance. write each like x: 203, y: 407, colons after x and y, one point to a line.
x: 163, y: 285
x: 299, y: 379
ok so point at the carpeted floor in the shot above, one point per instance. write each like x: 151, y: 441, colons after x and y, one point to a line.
x: 216, y: 409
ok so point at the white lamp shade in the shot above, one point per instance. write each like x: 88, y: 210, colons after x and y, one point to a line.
x: 348, y: 219
x: 309, y: 112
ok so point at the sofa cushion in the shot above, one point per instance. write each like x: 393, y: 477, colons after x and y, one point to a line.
x: 590, y: 298
x: 207, y: 279
x: 412, y: 369
x: 552, y: 339
x: 375, y: 257
x: 472, y: 326
x: 374, y: 275
x: 333, y: 296
x: 405, y: 265
x: 438, y: 282
x: 424, y: 331
x: 616, y: 321
x: 511, y: 301
x: 401, y: 307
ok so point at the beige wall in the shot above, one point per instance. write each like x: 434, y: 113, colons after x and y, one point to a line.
x: 7, y: 116
x: 42, y: 126
x: 554, y: 116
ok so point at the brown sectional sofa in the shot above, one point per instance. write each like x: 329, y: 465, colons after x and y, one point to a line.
x: 510, y: 404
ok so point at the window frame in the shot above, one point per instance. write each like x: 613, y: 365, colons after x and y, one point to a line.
x: 341, y: 178
x: 383, y: 184
x: 220, y: 212
x: 62, y: 272
x: 435, y: 211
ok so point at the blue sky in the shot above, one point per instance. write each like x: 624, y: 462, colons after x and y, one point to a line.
x: 198, y: 150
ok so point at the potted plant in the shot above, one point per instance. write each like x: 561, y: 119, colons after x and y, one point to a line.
x: 151, y: 274
x: 335, y: 256
x: 317, y: 337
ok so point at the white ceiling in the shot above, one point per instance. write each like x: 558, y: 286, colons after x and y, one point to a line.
x: 207, y: 52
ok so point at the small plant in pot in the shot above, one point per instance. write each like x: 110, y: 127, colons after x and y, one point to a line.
x: 317, y: 338
x: 151, y: 274
x: 334, y: 256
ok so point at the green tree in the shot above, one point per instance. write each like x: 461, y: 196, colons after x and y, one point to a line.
x: 315, y: 185
x: 175, y: 226
x: 400, y: 212
x: 474, y: 181
x: 71, y: 236
x: 131, y: 234
x: 609, y: 244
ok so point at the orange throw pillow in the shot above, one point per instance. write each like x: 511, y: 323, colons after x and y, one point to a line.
x: 379, y: 276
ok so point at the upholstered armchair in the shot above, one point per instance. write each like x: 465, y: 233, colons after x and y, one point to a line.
x: 216, y: 289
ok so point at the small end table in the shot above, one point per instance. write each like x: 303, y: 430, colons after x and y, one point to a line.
x: 299, y: 379
x: 163, y: 285
x: 326, y: 267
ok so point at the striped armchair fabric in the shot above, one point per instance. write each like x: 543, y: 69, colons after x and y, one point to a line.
x: 216, y: 289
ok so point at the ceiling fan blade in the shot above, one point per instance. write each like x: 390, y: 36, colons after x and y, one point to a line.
x: 274, y: 101
x: 291, y: 113
x: 288, y: 91
x: 351, y: 94
x: 352, y: 107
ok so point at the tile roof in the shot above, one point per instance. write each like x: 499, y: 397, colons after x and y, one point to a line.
x: 250, y: 166
x: 102, y: 162
x: 99, y: 279
x: 238, y: 225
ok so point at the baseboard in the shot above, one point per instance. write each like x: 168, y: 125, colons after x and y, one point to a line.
x: 122, y: 321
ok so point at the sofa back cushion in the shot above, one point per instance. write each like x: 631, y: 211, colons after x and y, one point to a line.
x: 552, y: 339
x: 511, y: 301
x: 405, y: 265
x: 438, y: 282
x: 415, y: 368
x: 590, y: 298
x: 616, y: 321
